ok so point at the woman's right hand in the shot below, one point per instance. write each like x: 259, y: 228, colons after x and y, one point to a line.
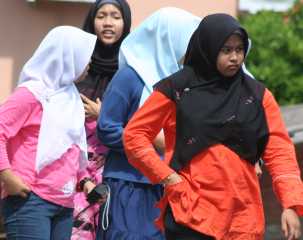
x: 92, y: 109
x: 13, y: 184
x: 172, y: 179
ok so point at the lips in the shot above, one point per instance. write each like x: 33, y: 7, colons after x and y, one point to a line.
x: 108, y: 33
x: 233, y: 67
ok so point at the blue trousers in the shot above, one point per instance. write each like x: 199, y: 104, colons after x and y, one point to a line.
x: 132, y: 211
x: 33, y: 218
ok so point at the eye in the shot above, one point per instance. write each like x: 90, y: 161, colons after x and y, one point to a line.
x: 226, y: 50
x: 116, y: 16
x: 240, y: 49
x: 100, y: 16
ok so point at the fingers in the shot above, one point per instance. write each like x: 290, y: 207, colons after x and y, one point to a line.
x: 87, y: 109
x: 258, y: 169
x: 298, y: 234
x: 294, y: 231
x: 23, y: 194
x: 85, y: 99
x: 25, y: 191
x: 290, y: 224
x: 102, y: 200
x: 291, y: 235
x: 284, y: 228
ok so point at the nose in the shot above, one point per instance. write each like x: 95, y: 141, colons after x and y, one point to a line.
x: 108, y: 21
x: 233, y: 56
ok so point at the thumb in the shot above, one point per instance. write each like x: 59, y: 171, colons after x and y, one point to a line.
x: 23, y: 194
x: 98, y: 100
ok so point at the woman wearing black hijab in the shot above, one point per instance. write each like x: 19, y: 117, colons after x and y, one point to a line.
x: 218, y: 122
x: 110, y: 33
x: 110, y: 20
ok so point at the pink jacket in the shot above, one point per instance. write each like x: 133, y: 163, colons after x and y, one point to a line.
x: 20, y: 118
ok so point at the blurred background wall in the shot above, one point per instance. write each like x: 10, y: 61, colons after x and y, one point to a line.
x: 23, y: 23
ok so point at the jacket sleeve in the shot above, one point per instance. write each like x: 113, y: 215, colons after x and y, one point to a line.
x: 114, y: 112
x: 140, y: 133
x: 280, y: 158
x: 14, y: 113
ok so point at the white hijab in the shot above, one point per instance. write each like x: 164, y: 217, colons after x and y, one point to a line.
x: 49, y: 74
x: 155, y: 48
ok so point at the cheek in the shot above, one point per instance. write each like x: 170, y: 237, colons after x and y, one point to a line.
x: 98, y: 26
x: 119, y: 29
x: 221, y: 63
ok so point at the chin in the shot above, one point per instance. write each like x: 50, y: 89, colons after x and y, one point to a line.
x: 108, y: 41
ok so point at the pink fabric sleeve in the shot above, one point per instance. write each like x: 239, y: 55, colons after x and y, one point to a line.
x: 14, y: 114
x: 280, y: 158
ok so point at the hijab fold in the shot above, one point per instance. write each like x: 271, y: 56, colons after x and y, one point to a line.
x: 210, y: 108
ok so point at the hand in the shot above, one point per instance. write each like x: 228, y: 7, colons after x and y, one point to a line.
x: 92, y: 109
x: 291, y: 226
x: 13, y: 184
x: 159, y: 143
x: 88, y: 187
x: 173, y: 178
x: 258, y: 169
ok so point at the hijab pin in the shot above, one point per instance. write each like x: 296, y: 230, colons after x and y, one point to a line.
x: 177, y: 95
x: 231, y: 118
x: 191, y: 140
x: 249, y: 100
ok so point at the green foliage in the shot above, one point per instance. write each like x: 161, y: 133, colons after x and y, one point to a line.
x: 276, y: 56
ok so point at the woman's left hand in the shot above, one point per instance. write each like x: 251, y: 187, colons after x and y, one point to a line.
x: 291, y: 226
x: 92, y: 109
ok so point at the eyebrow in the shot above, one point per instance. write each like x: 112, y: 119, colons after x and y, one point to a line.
x: 110, y: 13
x: 229, y: 46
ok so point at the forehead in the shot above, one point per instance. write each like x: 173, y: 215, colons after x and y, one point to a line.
x: 108, y: 8
x: 234, y: 39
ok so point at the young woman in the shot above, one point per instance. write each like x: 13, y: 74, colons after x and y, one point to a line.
x: 152, y: 51
x: 110, y: 21
x: 217, y: 122
x: 42, y: 138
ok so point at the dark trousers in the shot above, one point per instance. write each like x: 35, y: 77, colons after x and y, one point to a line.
x: 176, y: 231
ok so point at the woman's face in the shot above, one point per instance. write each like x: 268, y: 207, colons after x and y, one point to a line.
x: 109, y: 24
x: 231, y: 56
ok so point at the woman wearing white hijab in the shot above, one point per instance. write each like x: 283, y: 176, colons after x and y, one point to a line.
x: 151, y: 52
x: 42, y: 138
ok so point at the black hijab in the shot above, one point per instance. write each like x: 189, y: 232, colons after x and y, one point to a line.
x: 210, y: 108
x: 104, y: 62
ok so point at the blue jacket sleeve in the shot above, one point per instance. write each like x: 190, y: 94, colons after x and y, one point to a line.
x: 120, y: 101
